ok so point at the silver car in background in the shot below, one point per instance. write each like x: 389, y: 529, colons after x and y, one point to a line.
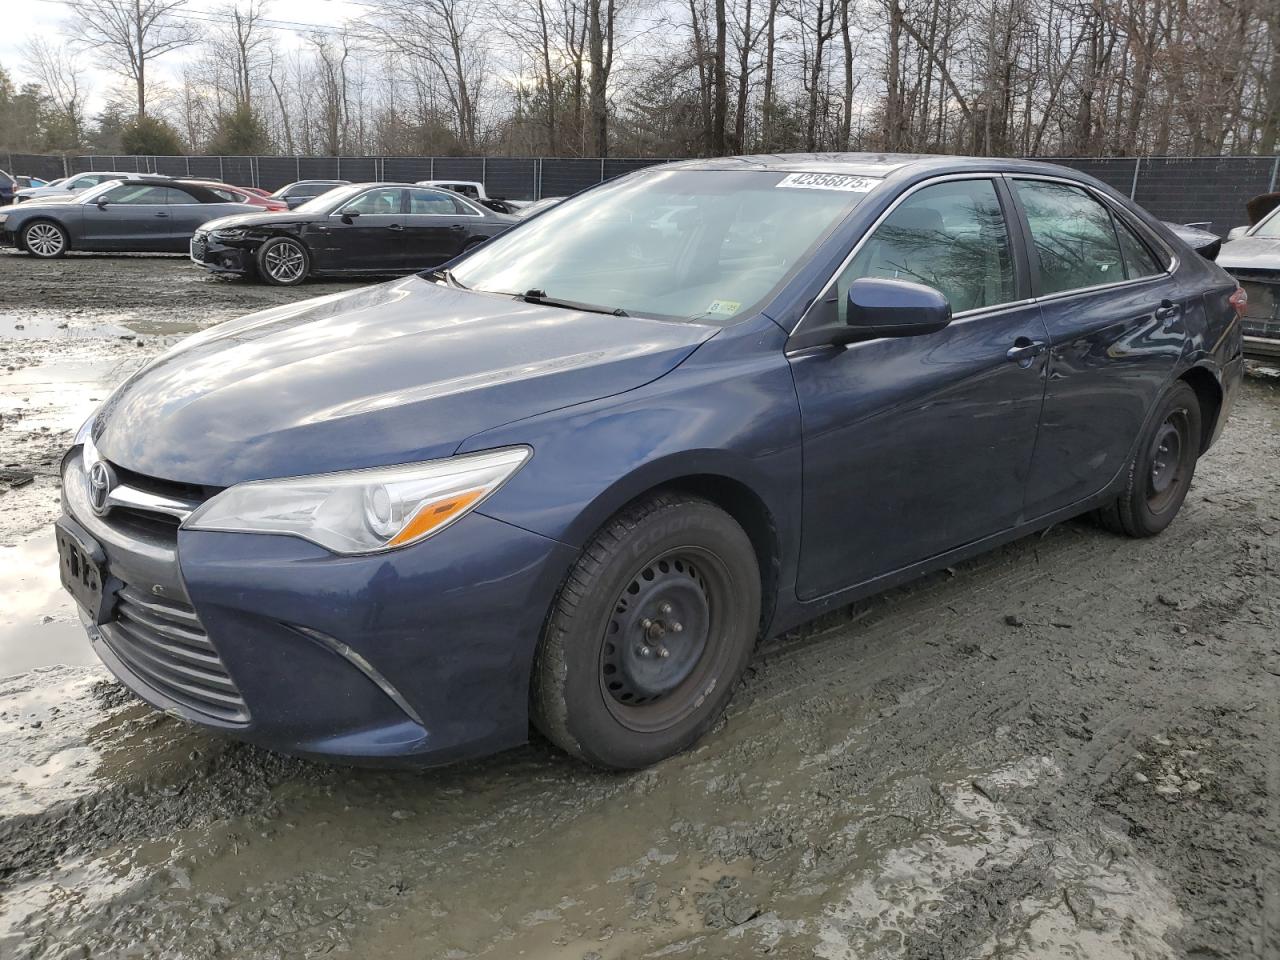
x: 1253, y: 258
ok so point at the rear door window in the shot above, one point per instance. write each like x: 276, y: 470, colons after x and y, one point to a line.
x: 1138, y: 258
x: 1073, y: 236
x: 951, y: 236
x: 435, y: 202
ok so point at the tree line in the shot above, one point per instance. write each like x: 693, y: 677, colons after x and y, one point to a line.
x: 655, y: 78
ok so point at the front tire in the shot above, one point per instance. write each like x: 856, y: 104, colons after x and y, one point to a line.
x: 283, y: 262
x: 649, y: 634
x: 44, y: 239
x: 1161, y: 470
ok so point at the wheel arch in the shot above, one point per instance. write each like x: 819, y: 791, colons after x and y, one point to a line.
x: 718, y: 479
x: 1209, y: 393
x: 44, y: 218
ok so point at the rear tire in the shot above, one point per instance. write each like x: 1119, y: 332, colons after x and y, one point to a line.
x: 283, y: 262
x: 649, y: 634
x: 45, y: 239
x: 1160, y: 473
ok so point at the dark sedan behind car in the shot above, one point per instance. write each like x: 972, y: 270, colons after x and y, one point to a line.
x: 140, y: 215
x: 374, y: 229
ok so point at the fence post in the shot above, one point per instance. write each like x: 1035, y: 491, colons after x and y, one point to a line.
x: 484, y: 173
x: 602, y: 170
x: 1133, y: 187
x: 222, y: 177
x: 297, y: 168
x: 537, y: 178
x: 1275, y: 168
x: 431, y: 170
x: 66, y: 167
x: 339, y: 176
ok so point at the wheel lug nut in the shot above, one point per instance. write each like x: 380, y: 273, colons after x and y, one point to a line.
x: 644, y: 651
x: 664, y: 609
x: 646, y: 623
x: 677, y: 627
x: 663, y: 652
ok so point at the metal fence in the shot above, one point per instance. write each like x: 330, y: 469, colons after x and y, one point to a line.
x: 1209, y: 190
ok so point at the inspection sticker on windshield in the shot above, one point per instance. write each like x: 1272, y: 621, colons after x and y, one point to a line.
x: 723, y: 307
x: 826, y: 181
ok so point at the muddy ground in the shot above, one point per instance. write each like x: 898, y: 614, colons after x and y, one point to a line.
x: 1067, y: 748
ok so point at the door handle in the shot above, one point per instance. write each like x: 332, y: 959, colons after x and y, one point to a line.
x: 1025, y: 350
x: 162, y: 214
x: 1167, y: 311
x: 457, y: 227
x: 394, y: 226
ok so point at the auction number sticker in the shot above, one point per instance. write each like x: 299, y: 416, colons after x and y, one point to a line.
x: 827, y: 181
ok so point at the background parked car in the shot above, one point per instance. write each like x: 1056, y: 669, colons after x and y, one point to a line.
x: 139, y: 215
x: 529, y: 209
x: 76, y: 184
x: 364, y: 228
x: 474, y: 190
x: 27, y: 182
x: 233, y: 194
x: 8, y: 188
x: 296, y: 194
x: 1253, y: 258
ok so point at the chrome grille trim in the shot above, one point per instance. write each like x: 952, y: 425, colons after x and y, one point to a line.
x: 163, y: 642
x: 124, y: 495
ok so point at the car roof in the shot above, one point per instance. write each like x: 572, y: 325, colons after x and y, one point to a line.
x: 872, y: 164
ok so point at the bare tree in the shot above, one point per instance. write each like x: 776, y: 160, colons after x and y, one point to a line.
x: 60, y: 73
x: 127, y: 35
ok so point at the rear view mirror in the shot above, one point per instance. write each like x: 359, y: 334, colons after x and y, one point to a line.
x: 1235, y: 233
x: 881, y: 308
x: 102, y: 203
x: 349, y: 215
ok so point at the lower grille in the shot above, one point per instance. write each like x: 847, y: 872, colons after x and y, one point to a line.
x: 165, y: 645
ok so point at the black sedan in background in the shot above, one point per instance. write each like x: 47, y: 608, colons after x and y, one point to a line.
x: 141, y: 215
x: 374, y: 229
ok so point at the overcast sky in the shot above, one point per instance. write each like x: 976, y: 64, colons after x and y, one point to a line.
x: 25, y: 18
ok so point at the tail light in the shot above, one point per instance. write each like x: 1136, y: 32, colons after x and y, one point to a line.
x: 1239, y: 301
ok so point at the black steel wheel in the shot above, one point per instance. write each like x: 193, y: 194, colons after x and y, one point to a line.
x: 649, y: 634
x: 1161, y: 470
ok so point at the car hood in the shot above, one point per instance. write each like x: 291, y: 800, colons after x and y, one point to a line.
x: 49, y: 200
x: 394, y: 373
x: 1251, y: 253
x: 268, y: 218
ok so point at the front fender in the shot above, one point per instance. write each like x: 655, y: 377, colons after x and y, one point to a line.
x: 728, y: 412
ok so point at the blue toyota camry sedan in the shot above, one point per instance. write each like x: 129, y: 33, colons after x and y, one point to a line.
x: 570, y: 481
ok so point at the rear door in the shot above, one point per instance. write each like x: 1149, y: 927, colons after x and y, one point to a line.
x: 914, y: 446
x: 135, y: 216
x: 436, y: 227
x: 1117, y: 320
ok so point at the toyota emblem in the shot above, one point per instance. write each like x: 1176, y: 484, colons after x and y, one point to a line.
x: 100, y: 483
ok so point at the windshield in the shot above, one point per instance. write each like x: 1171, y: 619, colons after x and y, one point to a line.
x: 89, y: 194
x: 330, y: 200
x: 702, y: 245
x: 1270, y: 227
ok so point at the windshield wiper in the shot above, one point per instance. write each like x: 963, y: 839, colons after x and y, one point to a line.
x: 540, y: 297
x: 448, y: 277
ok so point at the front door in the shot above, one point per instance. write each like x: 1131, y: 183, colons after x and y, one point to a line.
x: 366, y: 234
x: 917, y: 445
x: 134, y: 216
x: 1116, y: 320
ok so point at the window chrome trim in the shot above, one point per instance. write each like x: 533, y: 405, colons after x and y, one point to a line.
x: 1112, y: 207
x: 998, y: 307
x: 862, y: 241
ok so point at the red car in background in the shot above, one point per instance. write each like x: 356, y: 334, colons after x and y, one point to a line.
x: 259, y: 198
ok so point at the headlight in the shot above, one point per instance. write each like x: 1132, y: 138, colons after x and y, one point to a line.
x: 4, y: 218
x: 363, y: 511
x: 230, y: 234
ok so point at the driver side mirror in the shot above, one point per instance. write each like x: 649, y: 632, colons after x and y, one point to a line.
x: 349, y: 215
x: 878, y: 308
x: 1235, y: 233
x: 102, y: 203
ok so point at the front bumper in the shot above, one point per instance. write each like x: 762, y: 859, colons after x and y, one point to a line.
x: 422, y: 653
x: 219, y: 257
